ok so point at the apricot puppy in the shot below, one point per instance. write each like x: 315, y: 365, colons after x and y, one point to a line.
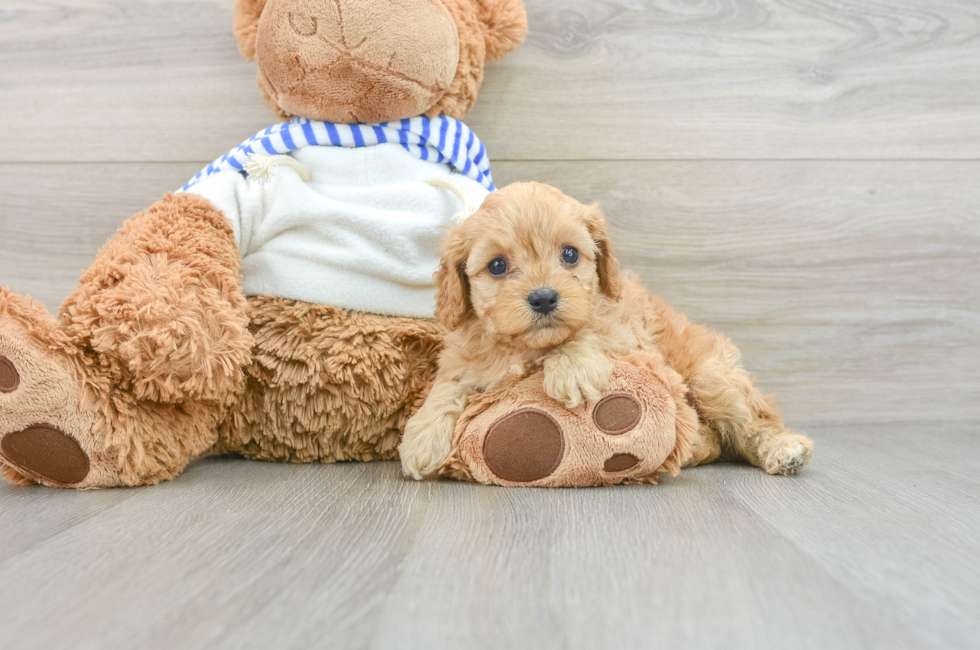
x: 530, y: 281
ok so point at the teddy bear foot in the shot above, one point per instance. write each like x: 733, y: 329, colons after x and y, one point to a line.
x: 527, y: 438
x: 40, y: 419
x: 528, y: 445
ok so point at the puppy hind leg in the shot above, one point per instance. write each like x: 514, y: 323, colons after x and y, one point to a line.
x: 747, y: 422
x: 705, y: 448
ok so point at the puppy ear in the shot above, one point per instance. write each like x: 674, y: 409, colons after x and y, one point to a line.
x: 452, y: 284
x: 505, y: 23
x: 607, y: 265
x: 247, y: 14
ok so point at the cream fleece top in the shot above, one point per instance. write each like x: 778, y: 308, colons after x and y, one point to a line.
x: 356, y: 227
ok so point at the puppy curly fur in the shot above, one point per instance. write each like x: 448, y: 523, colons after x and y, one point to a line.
x: 602, y: 314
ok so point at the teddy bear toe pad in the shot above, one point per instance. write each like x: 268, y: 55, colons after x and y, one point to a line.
x: 525, y: 446
x: 617, y: 414
x: 47, y: 452
x: 9, y: 377
x: 620, y: 462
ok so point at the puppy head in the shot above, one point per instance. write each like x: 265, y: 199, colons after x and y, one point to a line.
x: 529, y: 266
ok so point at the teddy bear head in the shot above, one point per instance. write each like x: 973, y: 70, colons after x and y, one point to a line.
x: 350, y: 61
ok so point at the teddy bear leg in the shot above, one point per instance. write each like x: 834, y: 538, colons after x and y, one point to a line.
x: 639, y: 429
x: 130, y: 385
x: 40, y: 392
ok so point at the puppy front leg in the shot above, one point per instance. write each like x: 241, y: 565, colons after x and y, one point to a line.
x: 578, y: 371
x: 429, y: 433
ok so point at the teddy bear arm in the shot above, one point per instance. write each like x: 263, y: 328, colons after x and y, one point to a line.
x: 162, y: 305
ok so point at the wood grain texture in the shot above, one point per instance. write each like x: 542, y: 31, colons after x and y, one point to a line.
x: 849, y: 287
x: 108, y: 80
x: 238, y: 554
x: 846, y: 285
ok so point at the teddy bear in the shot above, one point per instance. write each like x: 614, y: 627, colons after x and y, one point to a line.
x: 280, y: 304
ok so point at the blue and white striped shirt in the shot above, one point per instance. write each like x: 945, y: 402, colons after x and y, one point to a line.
x: 440, y: 140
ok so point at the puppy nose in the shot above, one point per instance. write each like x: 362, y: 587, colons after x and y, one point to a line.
x: 543, y: 300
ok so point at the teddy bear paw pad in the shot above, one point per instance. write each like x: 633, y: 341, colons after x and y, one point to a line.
x: 620, y: 462
x: 9, y: 377
x: 527, y: 445
x: 617, y: 414
x: 48, y: 452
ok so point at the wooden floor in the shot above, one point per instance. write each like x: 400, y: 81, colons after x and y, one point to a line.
x: 874, y: 546
x: 801, y: 174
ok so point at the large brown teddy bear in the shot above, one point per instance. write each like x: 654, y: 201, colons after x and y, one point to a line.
x: 281, y: 305
x: 164, y: 353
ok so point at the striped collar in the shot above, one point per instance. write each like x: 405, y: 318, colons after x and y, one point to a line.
x: 439, y: 140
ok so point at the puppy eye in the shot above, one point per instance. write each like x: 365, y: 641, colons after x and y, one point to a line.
x: 569, y: 255
x: 497, y: 266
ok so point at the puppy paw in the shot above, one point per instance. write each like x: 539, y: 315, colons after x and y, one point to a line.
x: 573, y: 380
x: 788, y: 455
x: 425, y: 446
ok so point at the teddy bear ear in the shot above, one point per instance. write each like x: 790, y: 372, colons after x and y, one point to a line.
x: 505, y: 23
x: 247, y: 14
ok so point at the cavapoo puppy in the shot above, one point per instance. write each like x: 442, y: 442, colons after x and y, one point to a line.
x: 530, y: 281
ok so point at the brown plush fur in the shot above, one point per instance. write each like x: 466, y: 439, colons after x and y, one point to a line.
x: 330, y: 60
x: 246, y: 25
x: 145, y: 368
x: 327, y: 384
x: 602, y: 314
x: 162, y: 305
x: 154, y: 337
x: 51, y: 371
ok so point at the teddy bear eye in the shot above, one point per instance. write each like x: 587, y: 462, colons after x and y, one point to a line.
x: 498, y: 266
x: 569, y: 255
x: 302, y: 24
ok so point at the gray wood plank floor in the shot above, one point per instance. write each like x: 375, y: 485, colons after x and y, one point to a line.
x: 801, y: 174
x: 874, y: 546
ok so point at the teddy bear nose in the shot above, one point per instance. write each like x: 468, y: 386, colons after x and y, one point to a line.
x: 543, y: 301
